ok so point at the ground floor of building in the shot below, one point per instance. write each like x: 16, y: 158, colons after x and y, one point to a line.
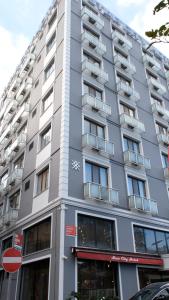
x: 95, y: 252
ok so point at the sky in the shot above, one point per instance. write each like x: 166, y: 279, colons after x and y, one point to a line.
x: 20, y: 19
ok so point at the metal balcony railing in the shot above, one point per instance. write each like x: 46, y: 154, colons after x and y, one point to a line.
x: 124, y: 64
x: 143, y: 204
x: 151, y: 62
x: 157, y: 86
x: 159, y: 109
x: 133, y: 123
x: 29, y: 61
x: 97, y: 192
x: 94, y: 42
x: 127, y: 91
x: 25, y: 86
x: 93, y: 69
x: 10, y: 216
x: 121, y: 40
x: 136, y: 159
x: 97, y: 143
x: 96, y: 104
x: 88, y: 15
x: 163, y: 138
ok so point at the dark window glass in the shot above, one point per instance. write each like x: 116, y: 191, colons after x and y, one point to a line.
x: 37, y: 237
x: 47, y: 100
x: 14, y: 200
x: 139, y: 239
x: 94, y: 128
x: 6, y: 243
x: 164, y: 160
x: 92, y: 91
x: 52, y: 20
x: 97, y: 279
x: 49, y: 69
x: 45, y: 137
x: 31, y: 146
x: 136, y: 187
x: 34, y: 113
x: 150, y: 241
x: 147, y: 276
x: 131, y: 145
x: 95, y: 233
x: 161, y: 242
x: 96, y: 174
x: 42, y: 184
x: 51, y: 43
x: 27, y: 185
x: 34, y: 281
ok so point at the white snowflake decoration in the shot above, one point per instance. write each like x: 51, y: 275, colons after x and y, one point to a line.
x: 76, y: 165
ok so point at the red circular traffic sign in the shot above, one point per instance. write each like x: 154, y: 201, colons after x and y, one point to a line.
x: 11, y: 260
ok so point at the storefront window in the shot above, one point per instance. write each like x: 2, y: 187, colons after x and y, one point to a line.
x: 34, y: 281
x: 37, y: 237
x: 95, y: 233
x: 97, y: 280
x: 151, y: 241
x: 147, y: 276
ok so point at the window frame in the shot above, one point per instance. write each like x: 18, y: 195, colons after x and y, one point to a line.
x: 40, y: 191
x: 49, y: 69
x: 47, y: 129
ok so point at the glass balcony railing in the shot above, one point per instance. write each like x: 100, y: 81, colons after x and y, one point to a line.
x: 96, y: 104
x: 121, y: 40
x: 93, y: 42
x: 23, y: 112
x: 89, y: 15
x: 93, y: 69
x: 97, y: 143
x: 19, y: 143
x: 15, y: 177
x: 124, y: 64
x: 25, y: 86
x: 151, y: 62
x: 159, y: 109
x: 127, y: 91
x: 11, y: 216
x: 136, y: 159
x: 10, y: 110
x: 131, y: 122
x: 143, y: 204
x: 163, y: 138
x: 157, y: 86
x: 28, y: 63
x: 97, y: 192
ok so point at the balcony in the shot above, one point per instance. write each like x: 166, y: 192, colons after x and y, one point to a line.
x: 23, y: 112
x: 96, y: 104
x: 95, y: 71
x: 122, y: 63
x: 143, y: 204
x: 160, y: 110
x: 95, y: 191
x: 93, y: 42
x: 4, y: 157
x: 127, y: 91
x: 25, y: 86
x: 166, y: 173
x: 15, y: 84
x: 16, y: 177
x: 96, y: 143
x: 121, y: 40
x: 156, y: 86
x: 167, y: 75
x: 10, y: 110
x: 3, y: 188
x: 1, y: 222
x: 3, y: 108
x: 163, y: 138
x: 19, y: 143
x: 11, y: 216
x: 136, y: 159
x: 29, y: 61
x: 130, y: 122
x: 89, y: 16
x: 151, y: 62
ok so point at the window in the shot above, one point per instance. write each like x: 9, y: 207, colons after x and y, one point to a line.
x: 14, y: 200
x: 151, y: 241
x: 91, y: 59
x: 52, y: 19
x: 7, y: 243
x: 45, y: 137
x: 4, y: 179
x: 33, y: 113
x: 157, y: 100
x: 161, y: 129
x: 27, y: 185
x: 31, y: 146
x: 136, y: 187
x: 95, y: 233
x: 147, y: 276
x: 92, y: 91
x: 34, y: 280
x: 42, y: 184
x: 36, y: 83
x: 127, y: 110
x: 119, y: 52
x: 50, y: 43
x: 96, y: 174
x: 123, y: 79
x: 151, y: 75
x: 23, y: 129
x: 37, y: 237
x: 93, y: 128
x: 164, y: 160
x: 91, y: 32
x: 1, y: 209
x: 47, y: 100
x: 19, y: 163
x: 49, y: 69
x: 131, y: 145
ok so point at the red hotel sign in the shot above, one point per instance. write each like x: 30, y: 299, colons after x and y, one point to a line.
x: 118, y: 258
x: 71, y: 230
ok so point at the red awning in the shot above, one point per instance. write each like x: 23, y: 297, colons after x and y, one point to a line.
x: 120, y: 257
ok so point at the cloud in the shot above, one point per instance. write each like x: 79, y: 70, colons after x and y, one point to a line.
x: 126, y: 3
x: 12, y: 49
x: 144, y: 20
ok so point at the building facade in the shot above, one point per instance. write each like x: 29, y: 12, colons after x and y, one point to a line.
x: 83, y: 165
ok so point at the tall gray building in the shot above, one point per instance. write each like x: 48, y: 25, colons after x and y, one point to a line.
x: 83, y: 165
